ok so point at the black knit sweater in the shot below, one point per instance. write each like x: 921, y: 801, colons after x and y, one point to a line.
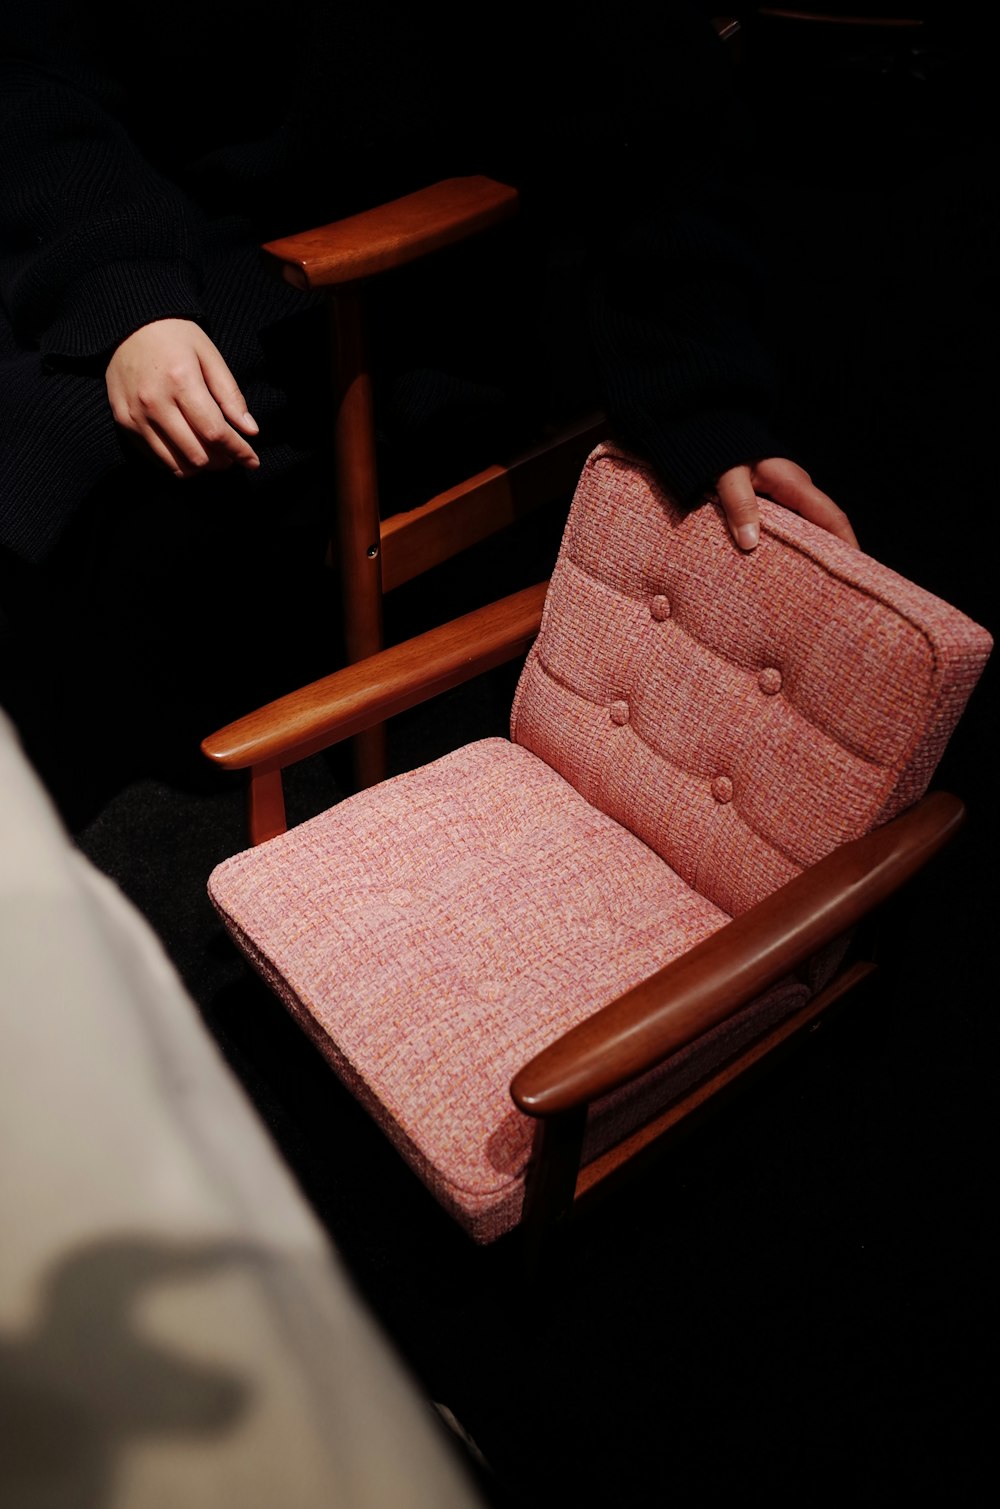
x: 141, y: 169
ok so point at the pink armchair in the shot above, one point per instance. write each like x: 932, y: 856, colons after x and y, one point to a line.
x: 534, y: 958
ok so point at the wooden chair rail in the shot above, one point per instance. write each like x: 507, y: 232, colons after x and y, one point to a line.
x: 703, y: 987
x: 680, y: 1115
x: 367, y: 692
x: 394, y: 234
x: 414, y: 541
x: 833, y: 18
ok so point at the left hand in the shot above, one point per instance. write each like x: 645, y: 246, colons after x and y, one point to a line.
x: 783, y: 482
x: 170, y: 390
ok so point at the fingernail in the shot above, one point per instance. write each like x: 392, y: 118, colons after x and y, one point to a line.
x: 250, y: 422
x: 748, y: 536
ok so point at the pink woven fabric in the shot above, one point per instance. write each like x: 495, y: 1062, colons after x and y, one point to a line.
x: 693, y: 726
x: 436, y: 931
x: 741, y: 713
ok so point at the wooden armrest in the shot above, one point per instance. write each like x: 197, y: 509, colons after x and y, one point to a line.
x: 833, y: 18
x: 726, y: 971
x: 371, y: 690
x: 393, y: 234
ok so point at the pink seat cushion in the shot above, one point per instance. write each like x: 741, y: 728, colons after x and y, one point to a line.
x: 742, y: 713
x: 436, y: 931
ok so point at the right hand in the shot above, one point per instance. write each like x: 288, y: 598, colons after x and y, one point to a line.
x: 784, y: 482
x: 170, y: 389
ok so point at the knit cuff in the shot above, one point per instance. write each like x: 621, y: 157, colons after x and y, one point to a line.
x: 103, y: 306
x: 689, y: 453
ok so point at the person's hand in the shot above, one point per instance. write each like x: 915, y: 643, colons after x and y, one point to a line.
x: 785, y: 483
x: 170, y: 389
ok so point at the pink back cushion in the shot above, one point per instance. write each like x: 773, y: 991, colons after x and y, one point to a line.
x: 742, y: 714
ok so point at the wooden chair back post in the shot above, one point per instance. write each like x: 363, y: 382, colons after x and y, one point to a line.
x: 355, y: 506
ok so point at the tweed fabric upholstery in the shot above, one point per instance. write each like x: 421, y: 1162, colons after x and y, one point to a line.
x: 742, y: 713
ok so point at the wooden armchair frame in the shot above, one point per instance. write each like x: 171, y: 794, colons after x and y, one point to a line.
x: 674, y: 1006
x: 375, y: 555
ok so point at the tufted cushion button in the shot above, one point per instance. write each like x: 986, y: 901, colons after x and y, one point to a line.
x: 769, y: 680
x: 619, y: 712
x: 400, y: 896
x: 722, y: 788
x: 660, y: 607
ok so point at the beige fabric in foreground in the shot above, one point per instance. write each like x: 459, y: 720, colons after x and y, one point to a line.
x: 175, y: 1328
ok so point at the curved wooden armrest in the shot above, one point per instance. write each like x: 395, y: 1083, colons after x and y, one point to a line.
x: 393, y: 234
x: 371, y: 690
x: 727, y: 970
x: 809, y: 13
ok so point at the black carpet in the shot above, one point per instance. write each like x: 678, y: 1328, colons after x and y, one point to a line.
x: 796, y: 1302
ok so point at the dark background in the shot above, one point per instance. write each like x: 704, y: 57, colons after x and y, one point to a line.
x: 797, y: 1301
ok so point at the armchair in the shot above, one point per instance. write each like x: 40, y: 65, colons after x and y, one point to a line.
x: 377, y: 553
x: 375, y: 550
x: 531, y: 960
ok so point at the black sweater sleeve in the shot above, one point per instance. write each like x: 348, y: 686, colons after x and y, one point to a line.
x: 95, y: 242
x: 643, y: 143
x: 687, y: 377
x: 137, y: 177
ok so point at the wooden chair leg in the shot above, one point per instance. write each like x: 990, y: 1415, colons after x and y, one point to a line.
x: 357, y: 511
x: 550, y: 1188
x: 265, y: 805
